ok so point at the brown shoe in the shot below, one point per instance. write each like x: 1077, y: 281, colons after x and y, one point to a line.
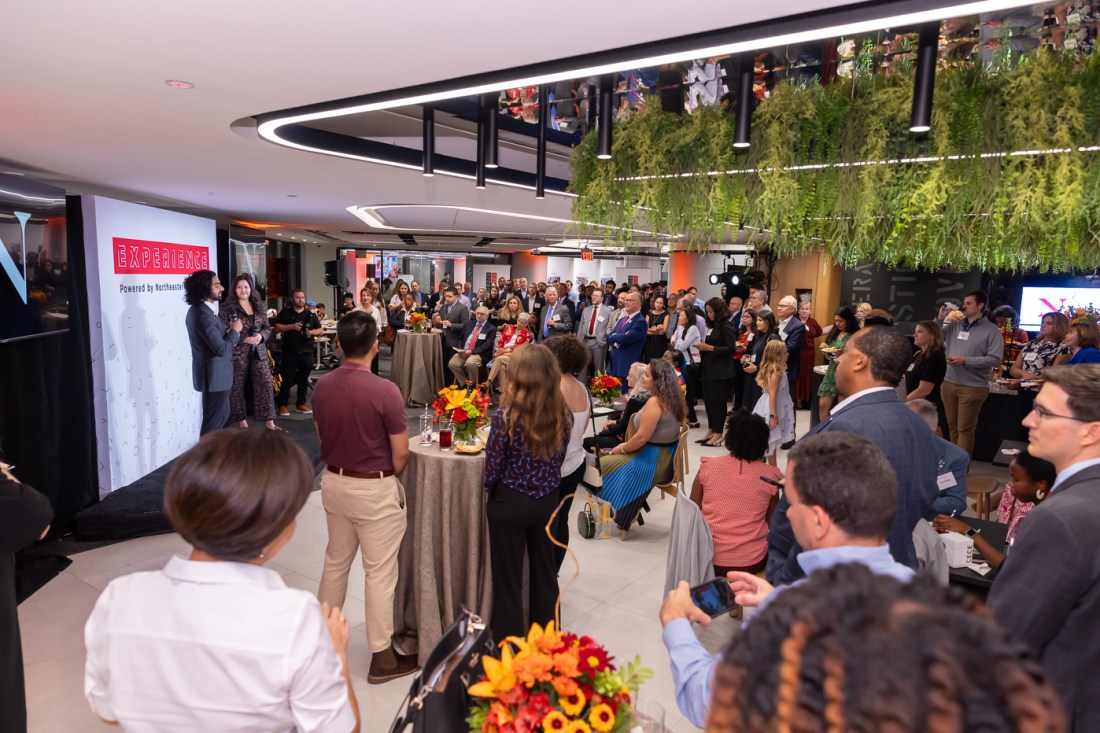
x: 304, y: 409
x: 283, y: 412
x: 389, y: 664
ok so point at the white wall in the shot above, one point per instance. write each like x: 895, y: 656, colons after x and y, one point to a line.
x: 313, y: 273
x: 146, y: 409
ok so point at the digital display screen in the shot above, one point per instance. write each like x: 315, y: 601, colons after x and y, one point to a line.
x: 1035, y: 302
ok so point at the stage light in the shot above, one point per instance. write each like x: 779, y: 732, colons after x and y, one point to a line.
x: 743, y: 113
x: 429, y: 140
x: 603, y: 119
x: 925, y: 80
x: 715, y: 279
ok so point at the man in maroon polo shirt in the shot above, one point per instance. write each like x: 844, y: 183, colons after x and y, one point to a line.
x: 365, y: 442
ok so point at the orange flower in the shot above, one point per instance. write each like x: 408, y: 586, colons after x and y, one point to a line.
x: 567, y: 665
x: 533, y: 668
x: 499, y: 678
x: 564, y: 686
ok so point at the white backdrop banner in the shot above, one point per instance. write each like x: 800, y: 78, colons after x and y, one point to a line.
x: 146, y: 410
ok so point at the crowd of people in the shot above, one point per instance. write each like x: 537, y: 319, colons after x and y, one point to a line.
x: 827, y: 551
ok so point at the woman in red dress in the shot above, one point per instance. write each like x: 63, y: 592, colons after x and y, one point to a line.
x: 806, y: 374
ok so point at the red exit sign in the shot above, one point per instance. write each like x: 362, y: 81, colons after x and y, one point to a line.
x: 586, y: 254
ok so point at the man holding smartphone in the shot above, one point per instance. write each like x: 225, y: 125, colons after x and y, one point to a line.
x: 298, y: 326
x: 840, y: 511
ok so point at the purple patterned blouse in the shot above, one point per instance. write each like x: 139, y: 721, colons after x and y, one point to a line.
x: 508, y: 462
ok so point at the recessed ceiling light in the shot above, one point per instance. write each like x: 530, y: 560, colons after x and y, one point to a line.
x: 13, y: 173
x: 177, y: 84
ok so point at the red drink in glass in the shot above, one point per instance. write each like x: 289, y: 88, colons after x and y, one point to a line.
x: 444, y: 439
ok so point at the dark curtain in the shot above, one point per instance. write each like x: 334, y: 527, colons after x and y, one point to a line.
x: 47, y: 425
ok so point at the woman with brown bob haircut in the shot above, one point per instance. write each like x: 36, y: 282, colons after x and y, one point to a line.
x: 218, y: 628
x: 523, y: 463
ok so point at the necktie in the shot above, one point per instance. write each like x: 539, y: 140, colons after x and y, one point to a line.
x: 592, y: 323
x: 473, y: 337
x: 546, y: 325
x: 622, y: 323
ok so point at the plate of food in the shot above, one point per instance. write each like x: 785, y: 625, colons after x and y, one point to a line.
x: 471, y: 448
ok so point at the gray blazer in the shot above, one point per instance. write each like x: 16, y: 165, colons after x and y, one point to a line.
x: 211, y: 350
x: 602, y: 327
x: 564, y: 324
x: 457, y: 314
x: 1047, y: 593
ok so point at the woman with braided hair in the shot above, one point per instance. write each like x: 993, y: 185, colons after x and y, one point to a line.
x: 853, y: 650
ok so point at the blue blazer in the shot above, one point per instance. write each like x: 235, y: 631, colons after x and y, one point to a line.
x: 951, y: 459
x: 796, y: 334
x: 908, y: 445
x: 626, y: 345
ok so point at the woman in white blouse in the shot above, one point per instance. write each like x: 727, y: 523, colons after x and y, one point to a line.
x: 216, y: 641
x: 369, y: 303
x: 685, y: 339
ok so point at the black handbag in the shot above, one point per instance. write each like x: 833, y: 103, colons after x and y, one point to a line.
x: 437, y: 701
x: 586, y: 522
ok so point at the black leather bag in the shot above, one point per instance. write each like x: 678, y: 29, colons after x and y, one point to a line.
x: 437, y: 701
x: 586, y: 522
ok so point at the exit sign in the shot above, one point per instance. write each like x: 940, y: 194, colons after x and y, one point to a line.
x: 586, y: 254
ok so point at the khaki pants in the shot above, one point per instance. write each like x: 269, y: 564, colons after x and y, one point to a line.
x: 366, y: 514
x: 465, y: 370
x: 963, y: 405
x: 500, y: 366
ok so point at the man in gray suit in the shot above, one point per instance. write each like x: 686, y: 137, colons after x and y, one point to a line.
x: 868, y: 372
x: 211, y: 347
x: 554, y: 319
x: 452, y: 316
x: 592, y: 326
x: 1047, y: 593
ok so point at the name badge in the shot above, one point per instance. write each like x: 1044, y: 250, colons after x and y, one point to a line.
x: 555, y: 318
x: 946, y: 481
x: 481, y: 337
x: 753, y: 358
x: 911, y: 366
x: 600, y: 319
x: 964, y: 336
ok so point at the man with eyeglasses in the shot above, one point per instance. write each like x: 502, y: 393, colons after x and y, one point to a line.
x: 1047, y: 593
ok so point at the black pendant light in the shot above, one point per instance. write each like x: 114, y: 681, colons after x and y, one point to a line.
x: 492, y: 148
x: 925, y: 80
x: 743, y: 113
x: 429, y: 140
x: 603, y: 119
x: 481, y: 138
x: 540, y: 153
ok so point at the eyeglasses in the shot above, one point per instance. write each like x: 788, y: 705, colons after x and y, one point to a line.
x: 1044, y: 413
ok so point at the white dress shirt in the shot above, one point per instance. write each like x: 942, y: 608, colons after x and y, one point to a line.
x: 213, y: 646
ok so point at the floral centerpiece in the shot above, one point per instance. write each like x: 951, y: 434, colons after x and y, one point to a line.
x: 554, y: 681
x: 417, y: 323
x: 466, y: 409
x: 1078, y: 314
x: 606, y: 388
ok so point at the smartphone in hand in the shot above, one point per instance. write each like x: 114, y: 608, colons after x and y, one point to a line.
x: 714, y: 597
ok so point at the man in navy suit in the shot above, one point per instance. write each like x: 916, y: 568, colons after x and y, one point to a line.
x: 793, y: 332
x: 868, y: 371
x: 1047, y: 593
x: 627, y: 337
x: 211, y: 347
x: 479, y: 338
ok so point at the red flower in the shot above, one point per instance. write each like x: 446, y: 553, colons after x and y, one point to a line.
x: 594, y: 659
x: 459, y: 415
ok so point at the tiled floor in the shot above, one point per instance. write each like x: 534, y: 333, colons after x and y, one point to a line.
x: 615, y: 599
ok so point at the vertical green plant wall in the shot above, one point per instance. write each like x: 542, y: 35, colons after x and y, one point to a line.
x: 1007, y: 180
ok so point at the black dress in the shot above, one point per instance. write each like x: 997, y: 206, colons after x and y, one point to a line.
x: 655, y: 345
x: 24, y: 514
x: 751, y: 391
x: 929, y: 369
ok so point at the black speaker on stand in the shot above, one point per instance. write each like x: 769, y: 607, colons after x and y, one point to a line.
x: 332, y: 279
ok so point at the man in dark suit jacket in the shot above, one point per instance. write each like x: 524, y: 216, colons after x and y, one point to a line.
x: 867, y: 372
x: 452, y: 316
x: 554, y: 319
x: 627, y: 337
x: 211, y: 347
x: 1047, y: 593
x: 793, y: 332
x: 479, y: 338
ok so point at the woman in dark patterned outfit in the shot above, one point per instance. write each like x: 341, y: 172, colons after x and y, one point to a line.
x: 250, y: 353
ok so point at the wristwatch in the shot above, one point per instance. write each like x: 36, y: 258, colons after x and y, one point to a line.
x: 972, y: 532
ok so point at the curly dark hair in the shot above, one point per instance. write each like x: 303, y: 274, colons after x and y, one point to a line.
x: 196, y: 286
x: 851, y: 324
x: 747, y: 436
x: 851, y: 650
x: 571, y: 354
x: 720, y: 309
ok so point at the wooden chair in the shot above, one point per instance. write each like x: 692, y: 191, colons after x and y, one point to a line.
x: 679, y: 466
x: 981, y: 490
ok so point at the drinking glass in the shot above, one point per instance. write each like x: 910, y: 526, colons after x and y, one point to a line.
x: 445, y: 438
x: 425, y: 429
x: 649, y: 717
